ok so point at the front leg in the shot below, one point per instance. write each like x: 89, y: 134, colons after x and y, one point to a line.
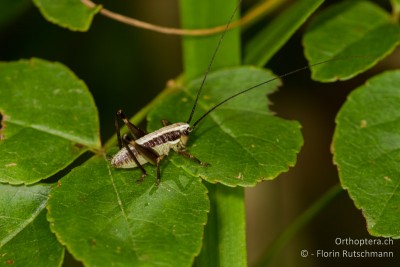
x: 165, y: 122
x: 159, y: 159
x: 190, y: 156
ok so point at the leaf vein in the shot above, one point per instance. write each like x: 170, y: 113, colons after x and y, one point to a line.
x: 24, y: 223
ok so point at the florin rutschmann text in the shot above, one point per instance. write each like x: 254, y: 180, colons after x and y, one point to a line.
x: 347, y: 250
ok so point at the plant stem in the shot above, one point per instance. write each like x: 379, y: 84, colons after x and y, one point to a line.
x: 275, y: 248
x: 395, y: 9
x: 224, y: 238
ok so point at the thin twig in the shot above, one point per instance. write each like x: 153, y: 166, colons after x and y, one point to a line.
x: 247, y: 19
x: 290, y: 231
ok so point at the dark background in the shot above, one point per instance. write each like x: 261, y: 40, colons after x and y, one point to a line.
x: 126, y: 67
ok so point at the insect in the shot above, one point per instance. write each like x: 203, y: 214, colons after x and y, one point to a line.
x: 140, y: 147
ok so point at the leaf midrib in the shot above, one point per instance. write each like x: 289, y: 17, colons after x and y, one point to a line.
x: 57, y: 133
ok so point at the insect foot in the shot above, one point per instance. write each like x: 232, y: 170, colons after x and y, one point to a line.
x: 205, y: 164
x: 139, y: 181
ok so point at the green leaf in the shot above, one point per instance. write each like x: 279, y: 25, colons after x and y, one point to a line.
x: 270, y: 39
x: 242, y: 140
x: 23, y: 228
x: 48, y: 118
x: 105, y: 218
x: 359, y: 32
x: 367, y: 152
x: 70, y: 14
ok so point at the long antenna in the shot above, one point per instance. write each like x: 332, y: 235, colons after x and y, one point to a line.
x: 211, y: 62
x: 258, y: 85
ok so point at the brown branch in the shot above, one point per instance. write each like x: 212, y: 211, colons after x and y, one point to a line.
x: 248, y: 18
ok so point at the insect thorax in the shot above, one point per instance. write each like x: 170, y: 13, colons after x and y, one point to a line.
x: 174, y: 134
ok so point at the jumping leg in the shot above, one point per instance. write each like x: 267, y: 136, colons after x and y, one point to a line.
x: 126, y: 141
x: 133, y: 129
